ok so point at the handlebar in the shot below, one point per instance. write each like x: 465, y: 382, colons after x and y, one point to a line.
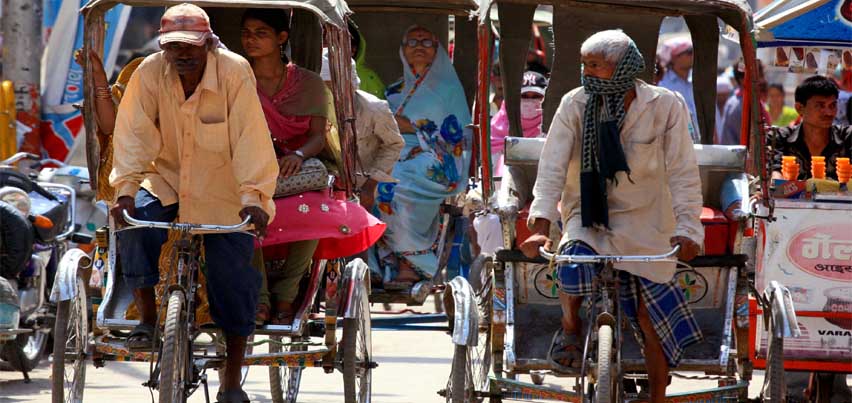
x: 187, y: 227
x: 19, y: 156
x: 666, y: 257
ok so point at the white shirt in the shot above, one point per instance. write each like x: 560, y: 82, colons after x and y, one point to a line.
x: 664, y: 198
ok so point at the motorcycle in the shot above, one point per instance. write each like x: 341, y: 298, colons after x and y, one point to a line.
x: 37, y: 223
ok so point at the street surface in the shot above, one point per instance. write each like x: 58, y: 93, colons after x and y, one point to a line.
x: 413, y: 366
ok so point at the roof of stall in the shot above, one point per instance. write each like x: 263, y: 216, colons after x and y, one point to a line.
x: 822, y: 23
x: 330, y: 11
x: 728, y: 10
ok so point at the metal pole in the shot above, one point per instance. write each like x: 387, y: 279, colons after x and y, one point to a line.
x: 22, y: 47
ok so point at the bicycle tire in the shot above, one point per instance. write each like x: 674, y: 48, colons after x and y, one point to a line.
x: 604, y: 385
x: 173, y: 362
x: 284, y: 381
x: 358, y: 354
x: 72, y: 326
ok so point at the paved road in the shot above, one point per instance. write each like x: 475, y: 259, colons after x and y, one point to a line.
x: 412, y: 367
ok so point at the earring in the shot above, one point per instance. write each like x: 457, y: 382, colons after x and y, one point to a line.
x: 283, y: 54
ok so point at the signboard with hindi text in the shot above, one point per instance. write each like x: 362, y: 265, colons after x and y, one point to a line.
x: 808, y: 249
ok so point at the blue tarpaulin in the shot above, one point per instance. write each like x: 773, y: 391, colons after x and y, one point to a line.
x: 828, y: 25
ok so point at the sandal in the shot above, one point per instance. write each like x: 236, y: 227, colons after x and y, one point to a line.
x: 565, y: 348
x: 232, y: 396
x: 263, y: 314
x: 141, y: 338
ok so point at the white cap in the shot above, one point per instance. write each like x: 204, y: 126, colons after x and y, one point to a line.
x: 325, y: 72
x: 723, y: 85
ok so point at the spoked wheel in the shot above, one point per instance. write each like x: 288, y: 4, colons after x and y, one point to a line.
x: 774, y: 384
x: 70, y: 342
x: 283, y: 381
x: 174, y: 363
x: 605, y: 387
x: 357, y: 353
x: 472, y: 364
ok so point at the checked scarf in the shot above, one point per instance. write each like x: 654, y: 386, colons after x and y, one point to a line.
x: 602, y: 153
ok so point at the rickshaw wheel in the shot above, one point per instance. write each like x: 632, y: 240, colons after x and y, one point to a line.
x: 774, y: 383
x: 284, y: 381
x: 174, y: 361
x: 357, y: 352
x: 472, y: 364
x: 70, y: 340
x: 604, y: 386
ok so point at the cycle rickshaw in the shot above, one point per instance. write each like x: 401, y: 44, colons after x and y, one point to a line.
x: 315, y: 338
x: 452, y: 22
x: 519, y: 308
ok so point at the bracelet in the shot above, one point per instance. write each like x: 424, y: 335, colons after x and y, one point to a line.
x: 103, y: 93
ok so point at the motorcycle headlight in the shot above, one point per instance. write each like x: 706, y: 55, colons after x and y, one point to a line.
x: 17, y: 198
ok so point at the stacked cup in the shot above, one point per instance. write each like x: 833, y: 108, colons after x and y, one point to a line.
x: 789, y: 168
x: 818, y: 167
x: 844, y: 170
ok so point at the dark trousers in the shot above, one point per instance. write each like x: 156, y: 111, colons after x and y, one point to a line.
x: 232, y: 283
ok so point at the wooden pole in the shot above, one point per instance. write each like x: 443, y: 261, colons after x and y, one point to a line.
x: 22, y: 48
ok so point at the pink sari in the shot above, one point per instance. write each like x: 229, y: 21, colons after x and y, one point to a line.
x: 343, y: 228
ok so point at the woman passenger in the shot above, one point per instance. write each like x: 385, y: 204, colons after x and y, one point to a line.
x: 298, y: 110
x: 432, y: 114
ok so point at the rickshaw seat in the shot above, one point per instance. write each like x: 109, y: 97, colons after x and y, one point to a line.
x: 522, y: 151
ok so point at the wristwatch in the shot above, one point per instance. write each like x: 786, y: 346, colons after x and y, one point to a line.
x: 300, y: 154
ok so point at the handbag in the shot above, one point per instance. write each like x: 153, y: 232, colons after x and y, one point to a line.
x: 313, y: 175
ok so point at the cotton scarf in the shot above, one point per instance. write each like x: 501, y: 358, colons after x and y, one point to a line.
x: 603, y: 118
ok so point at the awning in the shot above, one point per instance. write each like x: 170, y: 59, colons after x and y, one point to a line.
x: 805, y: 23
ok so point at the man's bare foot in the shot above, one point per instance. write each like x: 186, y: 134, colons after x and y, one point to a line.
x: 406, y: 273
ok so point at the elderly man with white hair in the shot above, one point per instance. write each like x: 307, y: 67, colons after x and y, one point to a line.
x: 619, y: 158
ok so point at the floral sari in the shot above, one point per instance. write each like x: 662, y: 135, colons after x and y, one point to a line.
x: 433, y: 166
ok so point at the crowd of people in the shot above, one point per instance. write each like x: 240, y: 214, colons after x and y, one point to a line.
x: 201, y: 133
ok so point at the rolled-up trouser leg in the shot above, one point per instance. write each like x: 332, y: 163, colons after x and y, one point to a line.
x: 232, y: 283
x: 298, y: 261
x: 139, y: 249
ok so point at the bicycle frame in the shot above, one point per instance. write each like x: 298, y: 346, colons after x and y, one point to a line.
x: 605, y: 288
x: 184, y: 271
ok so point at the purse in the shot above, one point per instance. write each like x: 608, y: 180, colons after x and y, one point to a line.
x: 313, y: 175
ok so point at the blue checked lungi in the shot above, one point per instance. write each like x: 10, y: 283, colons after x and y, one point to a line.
x: 665, y: 302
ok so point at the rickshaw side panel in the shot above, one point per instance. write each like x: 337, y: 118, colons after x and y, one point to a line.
x: 808, y: 249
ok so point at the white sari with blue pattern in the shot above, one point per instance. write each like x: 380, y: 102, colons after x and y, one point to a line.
x: 433, y: 166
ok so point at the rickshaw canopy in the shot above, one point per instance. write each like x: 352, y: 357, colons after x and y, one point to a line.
x: 317, y: 23
x: 578, y: 19
x: 330, y: 11
x: 812, y: 23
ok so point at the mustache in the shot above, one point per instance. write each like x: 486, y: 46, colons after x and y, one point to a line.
x: 186, y: 62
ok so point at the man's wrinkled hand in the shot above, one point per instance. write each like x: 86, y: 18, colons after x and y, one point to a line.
x: 117, y: 210
x: 259, y: 219
x: 533, y: 243
x: 688, y: 248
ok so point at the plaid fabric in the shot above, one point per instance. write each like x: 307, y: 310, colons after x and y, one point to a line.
x: 667, y: 307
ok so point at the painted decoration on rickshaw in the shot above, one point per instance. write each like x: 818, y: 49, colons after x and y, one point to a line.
x: 809, y: 251
x: 824, y: 251
x: 820, y: 340
x: 693, y: 284
x: 545, y: 282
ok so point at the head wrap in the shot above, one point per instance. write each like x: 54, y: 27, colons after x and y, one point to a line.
x: 602, y: 154
x: 673, y: 48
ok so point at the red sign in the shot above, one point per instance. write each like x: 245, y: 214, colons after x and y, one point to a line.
x: 824, y: 251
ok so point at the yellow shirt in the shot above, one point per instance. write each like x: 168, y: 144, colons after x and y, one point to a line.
x: 211, y: 153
